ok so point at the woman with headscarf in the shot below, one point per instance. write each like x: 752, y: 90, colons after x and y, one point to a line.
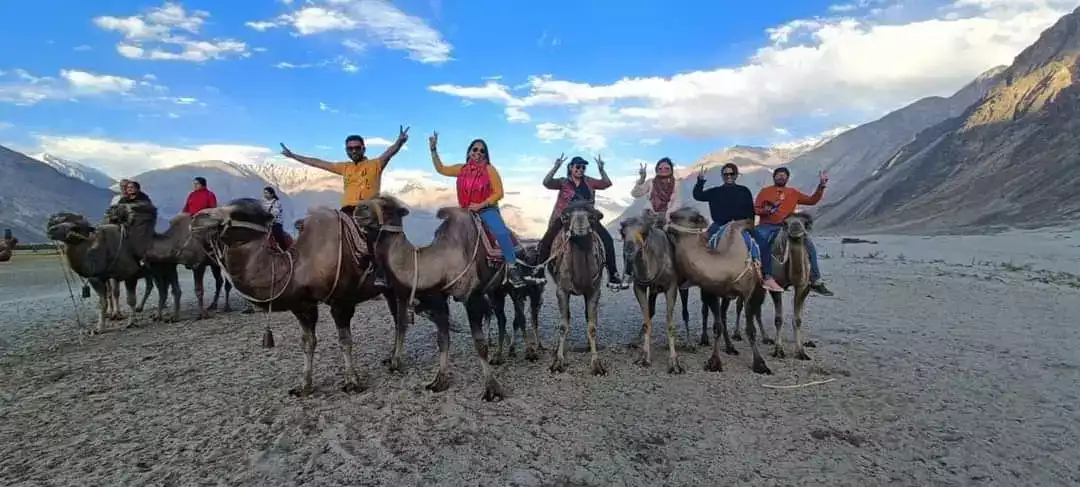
x: 272, y: 205
x: 662, y: 192
x: 479, y: 189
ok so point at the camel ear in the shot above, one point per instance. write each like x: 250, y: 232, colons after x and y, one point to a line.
x: 403, y: 212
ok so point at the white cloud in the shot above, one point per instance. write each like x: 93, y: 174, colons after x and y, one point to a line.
x: 82, y: 47
x: 377, y: 21
x: 125, y: 158
x: 326, y: 108
x: 22, y: 88
x: 5, y: 125
x: 825, y: 66
x: 167, y: 33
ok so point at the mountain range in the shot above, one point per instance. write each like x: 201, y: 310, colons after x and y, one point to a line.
x: 1001, y: 151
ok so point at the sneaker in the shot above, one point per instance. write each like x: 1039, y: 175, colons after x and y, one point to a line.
x: 819, y: 287
x: 615, y: 281
x: 771, y: 285
x: 380, y: 280
x: 513, y: 274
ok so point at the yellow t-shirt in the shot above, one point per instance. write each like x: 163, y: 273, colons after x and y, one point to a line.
x: 362, y: 180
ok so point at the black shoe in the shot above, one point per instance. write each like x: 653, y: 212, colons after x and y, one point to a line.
x: 514, y: 276
x: 819, y: 287
x: 616, y: 282
x: 380, y: 280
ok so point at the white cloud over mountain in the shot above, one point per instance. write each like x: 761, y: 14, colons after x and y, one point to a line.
x: 875, y: 57
x: 169, y: 33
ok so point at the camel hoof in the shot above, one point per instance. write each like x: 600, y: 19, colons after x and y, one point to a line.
x: 512, y: 352
x: 493, y: 391
x: 759, y: 367
x: 352, y: 387
x: 704, y: 341
x: 131, y: 325
x: 393, y: 363
x: 95, y: 331
x: 531, y: 355
x: 247, y: 311
x: 644, y: 361
x: 558, y: 366
x: 674, y: 367
x: 139, y: 309
x: 779, y: 353
x: 202, y: 316
x: 498, y: 359
x: 541, y: 348
x: 801, y: 355
x: 303, y: 391
x: 440, y: 383
x: 737, y: 337
x: 767, y: 341
x: 731, y: 351
x: 598, y: 367
x: 713, y: 364
x: 810, y: 344
x: 226, y: 309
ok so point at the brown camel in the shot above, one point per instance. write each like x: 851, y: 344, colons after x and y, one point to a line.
x: 791, y: 270
x: 103, y: 253
x: 177, y: 245
x: 7, y: 246
x: 577, y: 267
x: 329, y: 263
x: 454, y: 264
x: 653, y: 271
x: 726, y: 271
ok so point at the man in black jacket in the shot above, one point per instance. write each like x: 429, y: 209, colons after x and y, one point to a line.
x: 727, y: 203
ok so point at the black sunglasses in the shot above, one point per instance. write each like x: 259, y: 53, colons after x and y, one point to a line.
x: 726, y: 174
x: 478, y: 149
x: 354, y: 148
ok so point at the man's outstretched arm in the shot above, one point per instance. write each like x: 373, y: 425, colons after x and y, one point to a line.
x: 310, y: 161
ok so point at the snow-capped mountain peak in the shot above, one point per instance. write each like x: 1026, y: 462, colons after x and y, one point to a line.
x: 75, y: 170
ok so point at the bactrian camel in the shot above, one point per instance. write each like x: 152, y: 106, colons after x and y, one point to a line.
x: 726, y: 271
x: 329, y: 262
x: 791, y: 269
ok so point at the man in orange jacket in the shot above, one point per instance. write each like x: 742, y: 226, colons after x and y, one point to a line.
x: 773, y: 205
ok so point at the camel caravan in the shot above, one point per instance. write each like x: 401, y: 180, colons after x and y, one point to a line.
x: 359, y: 252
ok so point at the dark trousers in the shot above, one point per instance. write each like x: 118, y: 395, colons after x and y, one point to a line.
x: 544, y: 249
x: 278, y: 233
x: 370, y: 238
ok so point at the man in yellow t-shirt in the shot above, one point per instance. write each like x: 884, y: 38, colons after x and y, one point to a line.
x: 362, y: 176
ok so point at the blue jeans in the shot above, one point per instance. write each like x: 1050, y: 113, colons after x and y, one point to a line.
x: 494, y: 221
x: 716, y: 231
x: 766, y: 232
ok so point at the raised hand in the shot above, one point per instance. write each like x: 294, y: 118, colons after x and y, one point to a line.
x: 599, y: 163
x: 433, y: 141
x: 559, y: 162
x: 641, y: 170
x: 823, y: 177
x: 403, y: 133
x: 285, y: 150
x: 703, y: 174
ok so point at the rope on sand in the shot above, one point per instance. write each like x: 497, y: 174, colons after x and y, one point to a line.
x: 797, y: 386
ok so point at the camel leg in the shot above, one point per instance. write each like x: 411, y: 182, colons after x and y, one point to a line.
x: 148, y: 287
x: 197, y: 273
x: 101, y: 288
x: 778, y: 321
x: 474, y: 307
x: 674, y: 367
x: 761, y: 326
x: 401, y: 325
x: 592, y: 307
x: 517, y: 297
x: 130, y: 288
x: 173, y: 282
x: 705, y: 297
x: 559, y: 364
x: 216, y: 273
x: 739, y: 305
x: 714, y: 363
x: 754, y: 304
x: 684, y: 296
x: 498, y: 308
x: 800, y: 301
x: 644, y: 298
x: 536, y: 300
x: 725, y: 305
x: 112, y: 299
x: 307, y: 315
x: 440, y: 312
x: 729, y: 348
x: 343, y: 314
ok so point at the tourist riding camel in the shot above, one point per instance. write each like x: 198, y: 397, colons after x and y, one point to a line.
x: 727, y: 203
x: 774, y: 204
x: 133, y: 193
x: 362, y: 176
x: 479, y: 190
x: 199, y: 198
x: 272, y: 205
x: 663, y: 194
x: 118, y: 188
x: 576, y: 186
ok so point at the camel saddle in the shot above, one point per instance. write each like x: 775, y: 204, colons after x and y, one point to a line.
x: 491, y: 245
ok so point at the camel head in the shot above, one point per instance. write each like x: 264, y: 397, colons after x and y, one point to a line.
x: 798, y: 225
x: 139, y: 213
x: 633, y: 232
x: 578, y: 218
x: 379, y: 211
x: 70, y: 228
x: 686, y: 220
x: 242, y: 220
x: 299, y: 225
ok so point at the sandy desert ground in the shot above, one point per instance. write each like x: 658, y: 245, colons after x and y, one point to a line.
x: 954, y: 361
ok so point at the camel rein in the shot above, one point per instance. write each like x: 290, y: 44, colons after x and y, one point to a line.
x: 222, y: 259
x: 416, y: 262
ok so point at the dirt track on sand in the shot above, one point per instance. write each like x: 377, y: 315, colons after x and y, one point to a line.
x: 946, y: 374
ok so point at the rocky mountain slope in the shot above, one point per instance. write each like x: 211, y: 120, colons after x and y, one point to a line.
x: 31, y: 191
x: 852, y: 156
x: 75, y: 170
x: 1012, y: 159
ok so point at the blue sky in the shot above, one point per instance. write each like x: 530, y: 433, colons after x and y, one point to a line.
x: 129, y: 86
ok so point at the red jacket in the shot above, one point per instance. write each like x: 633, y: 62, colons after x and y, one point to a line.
x: 199, y: 200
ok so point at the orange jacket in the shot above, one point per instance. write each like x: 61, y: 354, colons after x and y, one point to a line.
x: 787, y: 198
